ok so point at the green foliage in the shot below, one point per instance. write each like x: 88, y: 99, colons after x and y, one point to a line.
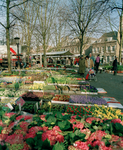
x: 16, y: 86
x: 58, y: 146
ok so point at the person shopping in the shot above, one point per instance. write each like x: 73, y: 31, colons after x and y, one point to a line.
x: 81, y: 66
x: 97, y: 63
x: 88, y: 63
x: 115, y: 65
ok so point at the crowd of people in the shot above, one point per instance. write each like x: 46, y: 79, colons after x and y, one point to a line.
x: 87, y: 63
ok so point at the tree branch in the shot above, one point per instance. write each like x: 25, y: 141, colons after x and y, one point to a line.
x: 3, y: 25
x: 18, y: 4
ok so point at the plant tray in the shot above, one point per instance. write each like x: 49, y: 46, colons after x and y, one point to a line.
x: 59, y: 102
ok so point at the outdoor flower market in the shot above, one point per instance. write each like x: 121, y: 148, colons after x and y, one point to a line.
x: 56, y: 109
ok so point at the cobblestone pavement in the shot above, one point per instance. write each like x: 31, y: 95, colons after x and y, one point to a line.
x: 113, y: 85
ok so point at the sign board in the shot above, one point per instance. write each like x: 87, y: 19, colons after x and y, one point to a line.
x: 9, y: 106
x: 20, y: 101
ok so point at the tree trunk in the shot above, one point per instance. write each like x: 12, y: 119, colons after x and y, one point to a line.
x: 8, y: 37
x: 120, y: 48
x: 45, y: 59
x: 81, y: 44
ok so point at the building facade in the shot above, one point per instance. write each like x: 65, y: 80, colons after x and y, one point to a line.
x: 107, y: 47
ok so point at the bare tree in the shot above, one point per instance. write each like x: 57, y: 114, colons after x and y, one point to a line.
x: 27, y: 27
x: 45, y: 22
x: 9, y: 5
x: 83, y: 16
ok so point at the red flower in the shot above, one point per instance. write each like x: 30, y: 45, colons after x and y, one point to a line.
x: 3, y: 137
x: 24, y: 125
x: 19, y: 117
x: 10, y: 114
x: 35, y: 129
x: 45, y: 128
x: 117, y: 121
x: 78, y: 126
x: 2, y: 124
x: 26, y: 146
x: 30, y: 135
x: 90, y: 119
x: 81, y: 145
x: 97, y: 135
x: 27, y: 117
x: 19, y: 131
x: 6, y: 130
x: 87, y: 132
x: 14, y: 139
x: 53, y: 135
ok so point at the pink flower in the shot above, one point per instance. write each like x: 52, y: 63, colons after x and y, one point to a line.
x: 3, y: 137
x: 43, y: 117
x: 56, y: 128
x: 19, y: 117
x: 53, y: 135
x: 30, y: 135
x: 97, y: 142
x: 117, y: 121
x: 78, y: 126
x: 73, y: 120
x: 10, y: 114
x: 97, y: 135
x: 81, y: 145
x: 2, y: 124
x: 27, y: 117
x: 26, y: 146
x: 120, y: 143
x: 73, y: 117
x: 104, y: 148
x: 14, y: 139
x: 35, y: 129
x: 6, y: 130
x: 19, y: 131
x: 90, y: 119
x: 45, y: 128
x: 24, y: 125
x: 87, y: 132
x: 60, y: 138
x: 114, y: 138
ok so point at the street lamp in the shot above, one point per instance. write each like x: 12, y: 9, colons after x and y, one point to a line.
x: 17, y: 42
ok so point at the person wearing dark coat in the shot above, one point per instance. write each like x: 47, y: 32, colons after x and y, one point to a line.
x: 81, y: 66
x: 115, y: 65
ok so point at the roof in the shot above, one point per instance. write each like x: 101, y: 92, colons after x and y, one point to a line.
x: 110, y: 34
x: 56, y: 54
x: 59, y: 53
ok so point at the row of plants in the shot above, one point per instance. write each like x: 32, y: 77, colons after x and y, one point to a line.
x: 108, y: 67
x: 59, y: 131
x: 85, y: 88
x: 63, y: 98
x: 11, y: 93
x: 101, y: 112
x: 63, y: 80
x: 14, y: 73
x: 80, y: 99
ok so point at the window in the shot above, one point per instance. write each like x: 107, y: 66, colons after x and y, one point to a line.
x: 107, y: 58
x: 108, y: 48
x: 113, y: 48
x: 94, y: 50
x: 112, y: 58
x: 98, y: 49
x: 75, y: 50
x: 102, y: 49
x: 109, y: 38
